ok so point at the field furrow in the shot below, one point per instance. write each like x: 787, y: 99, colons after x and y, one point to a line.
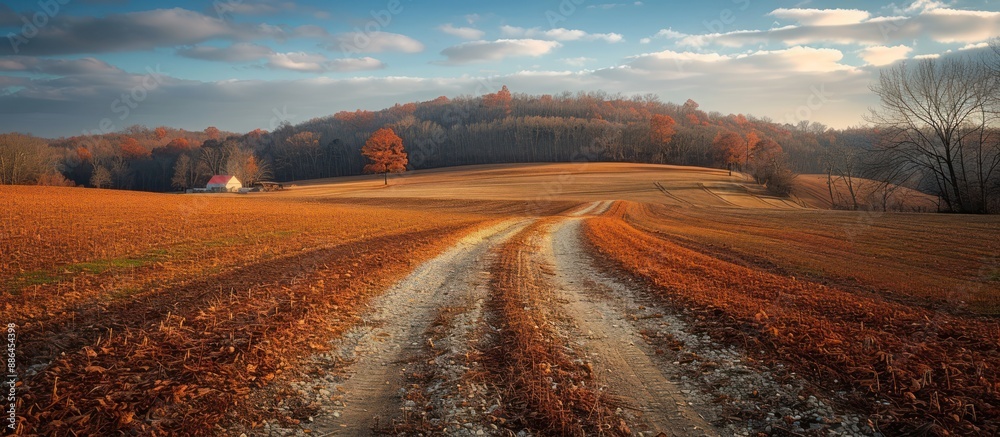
x: 905, y: 365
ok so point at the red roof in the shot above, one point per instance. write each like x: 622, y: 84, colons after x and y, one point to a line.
x: 220, y: 179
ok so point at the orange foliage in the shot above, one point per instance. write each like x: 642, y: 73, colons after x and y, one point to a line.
x: 358, y: 119
x: 176, y: 146
x: 161, y: 132
x: 385, y: 152
x: 83, y: 154
x: 500, y: 99
x: 212, y: 132
x: 728, y: 148
x: 661, y: 129
x: 132, y: 150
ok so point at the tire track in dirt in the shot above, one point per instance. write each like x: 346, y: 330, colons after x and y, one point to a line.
x: 393, y: 334
x: 594, y: 208
x: 616, y: 349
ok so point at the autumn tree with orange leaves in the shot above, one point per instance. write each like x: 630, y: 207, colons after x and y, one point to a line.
x: 661, y: 131
x: 385, y: 151
x: 132, y: 150
x: 728, y: 149
x: 212, y: 132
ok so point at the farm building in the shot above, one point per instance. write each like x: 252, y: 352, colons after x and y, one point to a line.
x: 223, y: 183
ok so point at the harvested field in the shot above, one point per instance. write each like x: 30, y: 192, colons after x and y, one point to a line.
x: 911, y: 367
x: 549, y: 299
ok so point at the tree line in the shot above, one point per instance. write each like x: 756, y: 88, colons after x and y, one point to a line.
x: 936, y: 131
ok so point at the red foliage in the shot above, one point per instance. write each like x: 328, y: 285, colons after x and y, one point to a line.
x: 83, y: 154
x: 358, y: 119
x: 175, y: 147
x: 728, y: 148
x: 212, y: 132
x: 257, y: 133
x: 132, y: 150
x: 500, y: 99
x: 661, y: 129
x: 385, y: 151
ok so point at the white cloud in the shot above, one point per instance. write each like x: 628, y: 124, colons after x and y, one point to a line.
x: 822, y: 17
x: 664, y: 33
x: 472, y: 18
x: 924, y: 5
x: 939, y: 24
x: 669, y: 34
x: 981, y: 45
x: 462, y: 32
x: 480, y: 51
x: 577, y: 62
x: 319, y: 63
x: 882, y: 55
x: 794, y: 59
x: 927, y: 56
x: 559, y: 34
x: 765, y: 83
x: 375, y: 42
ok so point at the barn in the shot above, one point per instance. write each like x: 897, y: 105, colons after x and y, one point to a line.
x: 223, y: 183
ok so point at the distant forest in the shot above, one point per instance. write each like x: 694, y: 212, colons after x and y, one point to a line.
x: 494, y: 128
x: 959, y: 162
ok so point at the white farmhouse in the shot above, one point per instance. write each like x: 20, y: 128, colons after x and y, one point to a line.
x: 223, y: 183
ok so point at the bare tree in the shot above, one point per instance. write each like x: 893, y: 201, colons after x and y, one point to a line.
x: 101, y: 177
x: 245, y: 165
x: 24, y: 159
x: 844, y: 166
x: 214, y: 158
x: 930, y: 117
x: 185, y: 173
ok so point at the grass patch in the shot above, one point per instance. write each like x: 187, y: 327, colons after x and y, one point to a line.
x: 96, y: 267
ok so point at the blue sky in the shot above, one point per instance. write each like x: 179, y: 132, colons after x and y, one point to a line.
x: 99, y: 65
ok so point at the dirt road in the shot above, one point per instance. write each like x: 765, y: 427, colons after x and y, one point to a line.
x: 392, y: 334
x: 411, y: 364
x: 620, y: 357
